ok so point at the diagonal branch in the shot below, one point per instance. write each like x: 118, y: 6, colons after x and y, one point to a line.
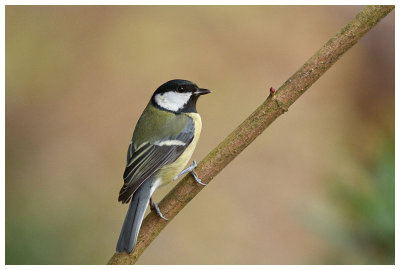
x: 275, y: 105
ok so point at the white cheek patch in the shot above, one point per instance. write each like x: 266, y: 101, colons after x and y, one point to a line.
x: 172, y: 101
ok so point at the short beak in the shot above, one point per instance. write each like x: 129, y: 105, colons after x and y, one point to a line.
x: 202, y: 91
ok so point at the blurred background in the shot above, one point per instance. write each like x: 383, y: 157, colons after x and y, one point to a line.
x: 317, y: 187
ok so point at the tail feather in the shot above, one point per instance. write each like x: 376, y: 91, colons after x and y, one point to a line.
x: 134, y: 217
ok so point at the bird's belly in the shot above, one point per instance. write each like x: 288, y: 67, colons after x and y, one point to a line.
x: 168, y: 173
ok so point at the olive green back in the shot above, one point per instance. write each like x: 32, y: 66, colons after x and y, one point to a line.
x: 155, y: 124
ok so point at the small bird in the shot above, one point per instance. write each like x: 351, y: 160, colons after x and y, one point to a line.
x: 163, y: 142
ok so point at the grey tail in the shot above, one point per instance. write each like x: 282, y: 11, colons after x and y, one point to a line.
x: 134, y: 217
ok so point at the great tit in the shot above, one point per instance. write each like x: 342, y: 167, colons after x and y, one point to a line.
x: 162, y: 144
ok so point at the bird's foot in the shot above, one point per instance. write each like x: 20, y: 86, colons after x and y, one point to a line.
x: 191, y: 169
x: 154, y: 207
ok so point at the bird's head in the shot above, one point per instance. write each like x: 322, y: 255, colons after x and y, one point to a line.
x: 178, y: 96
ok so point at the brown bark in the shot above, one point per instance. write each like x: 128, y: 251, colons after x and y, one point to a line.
x: 275, y: 105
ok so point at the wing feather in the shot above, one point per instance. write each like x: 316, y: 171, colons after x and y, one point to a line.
x: 149, y: 157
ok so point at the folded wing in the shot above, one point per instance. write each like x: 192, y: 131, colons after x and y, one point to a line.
x: 149, y: 157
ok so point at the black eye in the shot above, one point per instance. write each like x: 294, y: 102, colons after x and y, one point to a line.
x: 181, y: 89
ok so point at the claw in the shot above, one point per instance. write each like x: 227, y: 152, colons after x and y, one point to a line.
x: 191, y: 169
x: 187, y: 170
x: 154, y: 207
x: 197, y: 178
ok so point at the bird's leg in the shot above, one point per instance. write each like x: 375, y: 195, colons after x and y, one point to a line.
x: 154, y: 207
x: 192, y: 171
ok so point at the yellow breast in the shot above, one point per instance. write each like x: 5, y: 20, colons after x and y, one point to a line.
x: 168, y: 173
